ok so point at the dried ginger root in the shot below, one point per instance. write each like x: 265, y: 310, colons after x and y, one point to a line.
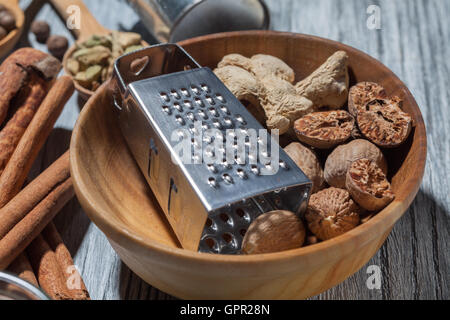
x: 240, y: 82
x: 281, y: 101
x: 260, y: 65
x: 265, y: 81
x: 328, y: 85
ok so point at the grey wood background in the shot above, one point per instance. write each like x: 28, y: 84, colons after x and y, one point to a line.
x: 413, y: 41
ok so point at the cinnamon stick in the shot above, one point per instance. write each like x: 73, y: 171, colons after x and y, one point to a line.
x: 75, y: 284
x: 15, y: 71
x: 18, y: 167
x: 34, y: 222
x: 28, y: 100
x: 22, y: 268
x: 47, y: 269
x: 16, y: 209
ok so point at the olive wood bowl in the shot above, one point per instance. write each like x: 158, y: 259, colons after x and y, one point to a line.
x: 116, y: 197
x: 89, y: 27
x: 8, y: 42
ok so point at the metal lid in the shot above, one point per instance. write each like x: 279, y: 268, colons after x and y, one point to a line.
x: 176, y: 20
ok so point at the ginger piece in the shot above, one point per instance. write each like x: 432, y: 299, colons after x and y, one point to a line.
x: 260, y: 65
x: 240, y: 82
x: 328, y: 85
x: 281, y: 103
x: 235, y: 59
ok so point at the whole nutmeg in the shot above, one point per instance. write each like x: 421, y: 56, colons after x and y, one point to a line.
x: 331, y: 213
x: 342, y: 157
x: 307, y: 160
x: 7, y: 20
x: 273, y: 232
x: 57, y: 46
x: 3, y: 32
x: 41, y: 30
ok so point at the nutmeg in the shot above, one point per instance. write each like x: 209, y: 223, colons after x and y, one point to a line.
x: 7, y: 20
x: 273, y: 232
x: 57, y: 46
x: 41, y: 30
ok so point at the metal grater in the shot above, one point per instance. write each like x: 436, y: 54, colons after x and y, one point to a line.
x: 209, y: 205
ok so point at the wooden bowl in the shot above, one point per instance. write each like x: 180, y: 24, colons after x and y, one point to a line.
x: 114, y: 194
x: 8, y: 43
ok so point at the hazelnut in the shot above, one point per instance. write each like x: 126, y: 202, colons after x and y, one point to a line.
x: 41, y: 30
x: 57, y: 46
x: 7, y: 20
x: 273, y: 232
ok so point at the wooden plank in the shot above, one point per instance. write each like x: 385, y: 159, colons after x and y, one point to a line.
x: 413, y: 42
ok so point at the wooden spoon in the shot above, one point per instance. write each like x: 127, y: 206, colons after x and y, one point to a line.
x: 8, y: 43
x: 89, y: 26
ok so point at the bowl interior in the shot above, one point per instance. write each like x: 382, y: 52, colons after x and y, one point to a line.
x: 116, y: 196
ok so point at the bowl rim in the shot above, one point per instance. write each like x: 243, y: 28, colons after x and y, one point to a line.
x: 391, y: 213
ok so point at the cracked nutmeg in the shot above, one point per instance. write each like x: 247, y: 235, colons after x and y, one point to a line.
x: 326, y: 129
x: 384, y: 123
x: 361, y: 94
x: 343, y: 156
x: 368, y: 185
x: 331, y: 213
x: 273, y: 232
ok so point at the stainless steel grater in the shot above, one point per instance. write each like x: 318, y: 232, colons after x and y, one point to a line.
x: 210, y: 201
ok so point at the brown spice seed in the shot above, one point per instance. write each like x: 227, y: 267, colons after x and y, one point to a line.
x: 274, y: 231
x: 325, y: 130
x: 41, y: 30
x: 368, y: 185
x: 384, y: 123
x: 57, y: 46
x: 331, y: 212
x: 361, y: 94
x: 7, y: 20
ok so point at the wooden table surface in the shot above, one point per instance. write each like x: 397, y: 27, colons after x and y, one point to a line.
x: 413, y: 41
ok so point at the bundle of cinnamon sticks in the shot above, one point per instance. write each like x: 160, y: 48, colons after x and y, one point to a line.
x: 30, y: 245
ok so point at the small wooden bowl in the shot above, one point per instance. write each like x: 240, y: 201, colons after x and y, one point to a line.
x: 8, y: 43
x: 89, y: 27
x: 114, y: 194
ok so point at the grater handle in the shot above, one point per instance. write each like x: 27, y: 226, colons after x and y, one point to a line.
x: 162, y: 59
